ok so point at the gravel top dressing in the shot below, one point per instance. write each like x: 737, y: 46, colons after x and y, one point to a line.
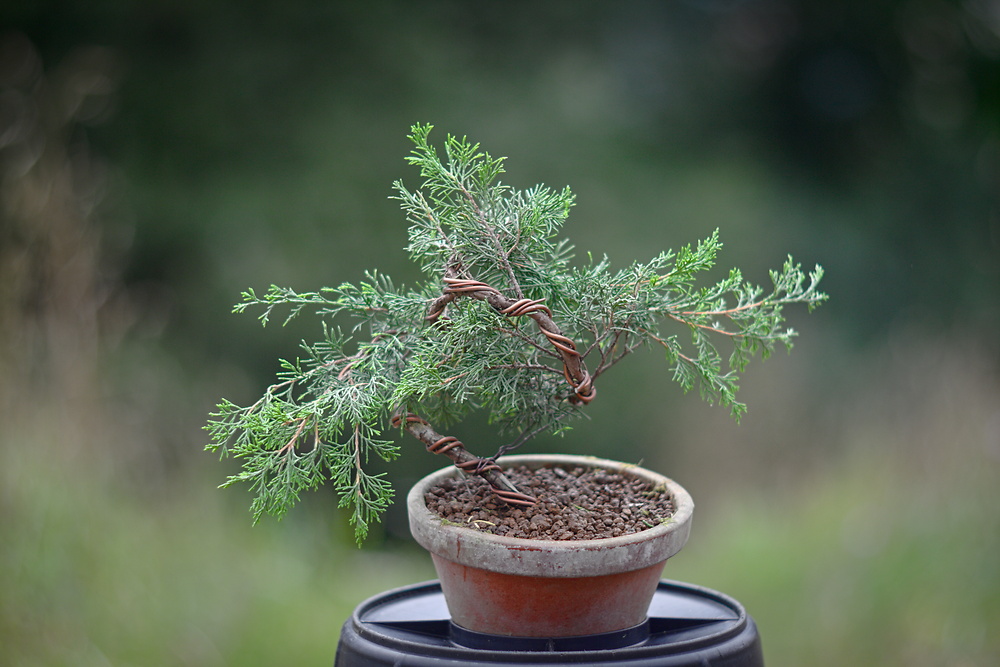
x: 573, y: 504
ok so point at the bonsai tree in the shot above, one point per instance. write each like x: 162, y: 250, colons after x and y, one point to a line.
x: 504, y: 323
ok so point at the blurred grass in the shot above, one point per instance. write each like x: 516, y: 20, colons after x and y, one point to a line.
x: 886, y: 553
x: 883, y: 555
x: 94, y: 574
x: 867, y: 568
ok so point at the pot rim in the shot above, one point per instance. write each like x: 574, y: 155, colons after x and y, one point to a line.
x: 560, y: 558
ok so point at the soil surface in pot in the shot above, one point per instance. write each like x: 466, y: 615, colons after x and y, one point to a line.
x: 573, y: 504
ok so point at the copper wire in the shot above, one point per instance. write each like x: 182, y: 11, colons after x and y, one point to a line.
x: 445, y: 444
x: 526, y: 307
x: 583, y: 388
x: 515, y: 498
x: 465, y: 286
x: 409, y: 418
x: 475, y: 466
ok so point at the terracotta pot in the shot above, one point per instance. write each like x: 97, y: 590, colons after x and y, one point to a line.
x: 547, y: 588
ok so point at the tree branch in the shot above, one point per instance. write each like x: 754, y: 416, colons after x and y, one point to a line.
x: 464, y: 459
x: 574, y: 368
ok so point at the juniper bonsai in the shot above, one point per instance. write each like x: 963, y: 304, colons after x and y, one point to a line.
x: 504, y: 323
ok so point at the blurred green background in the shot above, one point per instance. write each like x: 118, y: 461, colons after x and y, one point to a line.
x: 157, y: 158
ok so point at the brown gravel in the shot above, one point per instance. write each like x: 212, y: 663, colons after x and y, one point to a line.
x: 573, y: 504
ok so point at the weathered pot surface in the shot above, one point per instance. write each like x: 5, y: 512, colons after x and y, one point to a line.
x: 547, y: 588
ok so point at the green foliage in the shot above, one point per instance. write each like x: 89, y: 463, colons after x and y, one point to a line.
x: 326, y: 416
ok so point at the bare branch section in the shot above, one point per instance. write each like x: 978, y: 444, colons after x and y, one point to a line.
x: 463, y: 459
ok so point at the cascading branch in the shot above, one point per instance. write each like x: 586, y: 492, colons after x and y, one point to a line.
x: 504, y: 323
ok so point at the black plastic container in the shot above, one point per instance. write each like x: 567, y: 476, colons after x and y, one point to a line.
x: 687, y: 625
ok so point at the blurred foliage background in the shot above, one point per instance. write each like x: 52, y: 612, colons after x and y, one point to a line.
x: 157, y: 158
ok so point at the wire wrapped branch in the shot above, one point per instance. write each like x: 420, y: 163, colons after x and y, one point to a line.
x: 574, y: 369
x: 465, y: 460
